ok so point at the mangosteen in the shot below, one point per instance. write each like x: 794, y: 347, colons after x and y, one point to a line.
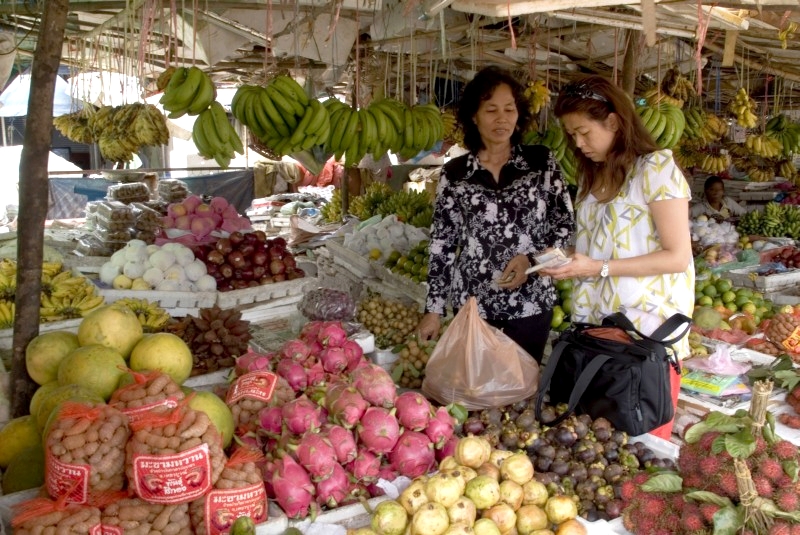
x: 585, y: 491
x: 578, y: 471
x: 585, y: 419
x: 542, y: 464
x: 598, y: 448
x: 630, y: 448
x: 568, y: 481
x: 587, y: 455
x: 509, y: 415
x: 492, y: 434
x: 596, y: 469
x: 547, y: 451
x: 562, y: 408
x: 548, y: 415
x: 602, y: 434
x: 509, y: 438
x: 646, y: 456
x: 620, y: 437
x: 603, y: 495
x: 562, y: 454
x: 526, y: 419
x: 473, y: 426
x: 591, y: 515
x: 599, y: 423
x: 611, y: 455
x: 560, y: 467
x: 520, y: 406
x: 580, y: 429
x: 613, y: 509
x: 545, y: 478
x: 628, y: 460
x: 613, y: 473
x: 550, y: 435
x: 492, y: 416
x: 668, y: 464
x: 565, y: 436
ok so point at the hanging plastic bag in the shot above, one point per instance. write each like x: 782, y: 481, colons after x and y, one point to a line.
x: 478, y: 366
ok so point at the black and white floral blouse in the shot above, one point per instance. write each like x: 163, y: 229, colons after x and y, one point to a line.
x: 479, y: 224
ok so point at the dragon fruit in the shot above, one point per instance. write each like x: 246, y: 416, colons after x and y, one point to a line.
x: 413, y: 454
x: 294, y: 373
x: 296, y: 350
x: 301, y: 414
x: 333, y: 490
x: 334, y: 359
x: 310, y: 331
x: 387, y: 473
x: 317, y: 455
x: 331, y: 334
x: 315, y: 348
x: 345, y: 405
x: 354, y: 353
x: 375, y: 385
x: 293, y: 489
x: 271, y: 420
x: 413, y: 410
x: 366, y: 467
x: 268, y: 470
x: 315, y: 374
x: 252, y: 362
x: 440, y: 427
x: 448, y: 449
x: 343, y: 442
x: 378, y: 430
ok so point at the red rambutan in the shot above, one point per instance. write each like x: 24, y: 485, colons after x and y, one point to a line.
x: 763, y: 486
x: 653, y: 505
x: 795, y: 529
x: 710, y: 465
x: 678, y: 503
x: 627, y: 490
x: 761, y: 446
x: 727, y: 484
x: 771, y: 469
x: 640, y: 478
x: 784, y: 450
x: 707, y: 439
x: 787, y: 499
x: 780, y: 528
x: 627, y: 523
x: 688, y: 458
x: 694, y: 480
x: 708, y: 510
x: 692, y: 522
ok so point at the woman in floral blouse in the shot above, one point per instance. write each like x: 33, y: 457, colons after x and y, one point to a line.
x: 496, y: 207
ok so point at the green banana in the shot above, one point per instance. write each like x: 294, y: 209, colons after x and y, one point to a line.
x: 220, y: 119
x: 291, y: 89
x: 268, y: 105
x: 175, y: 81
x: 300, y: 132
x: 204, y: 97
x: 283, y: 105
x: 184, y: 94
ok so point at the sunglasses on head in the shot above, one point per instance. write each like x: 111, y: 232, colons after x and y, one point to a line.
x: 583, y: 91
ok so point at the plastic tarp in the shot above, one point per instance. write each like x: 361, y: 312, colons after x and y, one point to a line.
x: 14, y: 100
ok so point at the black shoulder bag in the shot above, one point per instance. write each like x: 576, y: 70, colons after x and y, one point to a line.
x: 614, y: 371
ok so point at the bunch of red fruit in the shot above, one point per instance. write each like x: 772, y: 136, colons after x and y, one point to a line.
x: 247, y: 260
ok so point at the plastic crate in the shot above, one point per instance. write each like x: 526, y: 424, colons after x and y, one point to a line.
x: 176, y: 303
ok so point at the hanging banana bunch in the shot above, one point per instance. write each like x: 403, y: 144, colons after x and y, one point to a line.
x: 743, y: 107
x: 538, y: 96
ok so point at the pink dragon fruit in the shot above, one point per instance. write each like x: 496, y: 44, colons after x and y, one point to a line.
x: 301, y: 414
x: 294, y: 373
x: 378, y: 430
x: 333, y: 490
x: 440, y: 427
x: 357, y: 492
x: 317, y: 455
x: 413, y: 410
x: 296, y: 350
x: 294, y: 491
x: 386, y: 473
x: 448, y: 449
x: 315, y: 373
x: 343, y: 442
x: 331, y: 334
x: 310, y: 331
x: 413, y: 454
x: 268, y: 470
x: 334, y: 359
x: 252, y: 362
x: 315, y: 348
x: 354, y: 353
x: 365, y: 467
x: 345, y: 405
x: 375, y: 385
x: 271, y: 420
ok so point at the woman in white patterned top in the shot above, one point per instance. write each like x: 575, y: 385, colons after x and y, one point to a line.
x: 633, y: 249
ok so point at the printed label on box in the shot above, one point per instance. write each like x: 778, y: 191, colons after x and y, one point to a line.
x: 173, y: 479
x: 63, y: 478
x: 102, y: 529
x: 224, y: 506
x: 253, y: 385
x: 792, y: 342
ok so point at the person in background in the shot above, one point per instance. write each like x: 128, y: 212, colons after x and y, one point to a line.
x: 633, y: 250
x: 496, y: 206
x: 715, y: 203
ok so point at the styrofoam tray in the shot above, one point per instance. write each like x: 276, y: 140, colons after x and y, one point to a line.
x: 748, y: 278
x: 349, y: 259
x: 416, y: 290
x: 263, y: 293
x: 352, y: 516
x: 170, y: 301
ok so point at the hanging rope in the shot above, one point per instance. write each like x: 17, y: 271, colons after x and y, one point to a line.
x: 511, y: 26
x: 616, y: 55
x: 702, y: 28
x: 718, y: 90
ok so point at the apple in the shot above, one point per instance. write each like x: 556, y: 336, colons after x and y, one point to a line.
x: 278, y: 241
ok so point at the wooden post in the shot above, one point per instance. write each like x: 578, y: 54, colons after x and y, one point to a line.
x: 629, y: 62
x: 34, y: 196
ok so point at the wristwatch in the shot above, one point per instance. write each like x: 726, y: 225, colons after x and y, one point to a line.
x: 604, y: 269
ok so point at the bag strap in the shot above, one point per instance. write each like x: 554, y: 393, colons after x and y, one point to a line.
x: 547, y: 375
x: 583, y: 382
x: 672, y: 323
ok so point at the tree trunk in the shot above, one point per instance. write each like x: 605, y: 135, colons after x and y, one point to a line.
x: 34, y: 195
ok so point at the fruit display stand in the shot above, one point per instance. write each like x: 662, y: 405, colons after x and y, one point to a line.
x: 749, y: 278
x: 786, y: 296
x: 417, y: 291
x: 273, y: 294
x: 350, y: 260
x: 7, y: 335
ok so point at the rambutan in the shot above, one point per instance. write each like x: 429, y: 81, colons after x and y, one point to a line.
x: 670, y: 520
x: 640, y: 478
x: 795, y: 529
x: 727, y: 484
x: 707, y: 439
x: 694, y: 480
x: 653, y: 505
x: 688, y: 459
x: 692, y: 521
x: 763, y: 486
x: 771, y: 469
x: 627, y: 523
x: 784, y: 450
x: 708, y: 510
x: 761, y: 447
x: 627, y: 490
x: 780, y: 528
x: 787, y: 499
x: 710, y: 465
x: 643, y: 525
x: 677, y: 502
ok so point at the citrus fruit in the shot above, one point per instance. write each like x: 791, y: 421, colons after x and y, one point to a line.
x: 165, y: 352
x: 566, y: 306
x: 25, y: 471
x: 750, y: 308
x: 113, y: 326
x: 95, y: 367
x: 52, y: 399
x: 705, y: 301
x: 723, y: 285
x: 18, y: 435
x: 44, y: 353
x: 710, y: 290
x: 39, y: 395
x: 558, y: 317
x: 375, y: 254
x: 217, y: 411
x: 728, y: 297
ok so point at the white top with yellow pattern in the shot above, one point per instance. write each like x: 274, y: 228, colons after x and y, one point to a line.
x: 623, y: 228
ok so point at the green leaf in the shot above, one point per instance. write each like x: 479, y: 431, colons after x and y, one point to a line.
x: 783, y: 362
x: 695, y: 433
x: 663, y: 483
x: 709, y: 497
x: 727, y: 521
x: 793, y: 516
x: 741, y: 444
x: 791, y: 469
x: 716, y: 418
x: 458, y: 411
x: 398, y: 348
x: 397, y: 372
x: 787, y: 379
x: 718, y: 446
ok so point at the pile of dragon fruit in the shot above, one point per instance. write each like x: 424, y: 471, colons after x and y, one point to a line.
x: 347, y: 427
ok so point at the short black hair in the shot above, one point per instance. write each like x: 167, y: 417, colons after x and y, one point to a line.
x: 480, y: 88
x: 713, y: 179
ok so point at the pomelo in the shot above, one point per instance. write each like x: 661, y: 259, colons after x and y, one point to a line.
x: 45, y: 352
x: 18, y: 435
x: 95, y: 367
x: 165, y: 352
x: 113, y: 326
x: 52, y: 399
x: 217, y: 411
x: 39, y: 395
x: 25, y: 471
